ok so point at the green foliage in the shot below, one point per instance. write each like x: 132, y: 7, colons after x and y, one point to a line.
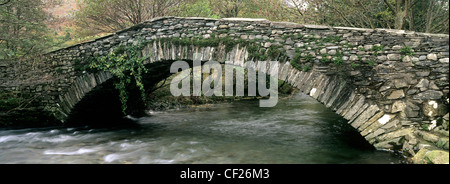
x: 200, y: 8
x: 252, y: 49
x: 377, y: 49
x: 229, y: 43
x: 325, y: 59
x: 355, y: 65
x: 309, y: 58
x: 82, y: 65
x: 338, y: 58
x: 295, y: 62
x: 23, y: 30
x: 262, y: 56
x: 332, y: 39
x: 286, y: 36
x: 307, y: 68
x: 370, y: 62
x: 126, y: 64
x: 9, y: 101
x: 274, y: 51
x: 408, y: 51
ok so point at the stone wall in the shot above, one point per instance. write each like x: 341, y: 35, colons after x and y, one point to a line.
x: 392, y: 85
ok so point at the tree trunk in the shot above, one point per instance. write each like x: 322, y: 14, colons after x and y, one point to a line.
x: 429, y: 18
x: 399, y: 14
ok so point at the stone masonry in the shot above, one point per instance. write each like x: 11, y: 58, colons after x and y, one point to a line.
x: 392, y: 85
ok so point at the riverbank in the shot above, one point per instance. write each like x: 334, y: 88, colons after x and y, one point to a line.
x: 14, y: 112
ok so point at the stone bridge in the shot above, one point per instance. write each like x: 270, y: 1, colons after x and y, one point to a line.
x: 391, y: 85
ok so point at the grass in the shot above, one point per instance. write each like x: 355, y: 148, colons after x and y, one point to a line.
x: 407, y: 51
x: 370, y: 62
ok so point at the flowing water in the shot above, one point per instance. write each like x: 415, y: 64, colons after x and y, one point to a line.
x: 297, y: 130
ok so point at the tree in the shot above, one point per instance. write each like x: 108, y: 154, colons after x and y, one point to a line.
x: 228, y: 8
x: 106, y: 16
x: 195, y: 8
x: 23, y: 31
x: 429, y: 16
x: 4, y: 2
x: 437, y: 17
x: 400, y: 9
x: 274, y: 10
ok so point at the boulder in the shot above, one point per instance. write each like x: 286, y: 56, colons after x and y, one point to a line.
x: 425, y: 156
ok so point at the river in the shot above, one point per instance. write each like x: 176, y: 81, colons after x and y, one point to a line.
x: 299, y: 130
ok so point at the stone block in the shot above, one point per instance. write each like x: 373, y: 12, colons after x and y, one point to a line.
x: 429, y: 95
x: 444, y: 60
x: 332, y: 52
x: 354, y: 58
x: 423, y: 84
x: 432, y: 57
x: 398, y: 106
x: 411, y: 110
x: 400, y: 83
x: 397, y: 94
x: 422, y: 58
x: 434, y: 109
x: 423, y: 74
x: 394, y: 57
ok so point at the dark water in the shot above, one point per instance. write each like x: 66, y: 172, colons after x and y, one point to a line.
x: 297, y: 130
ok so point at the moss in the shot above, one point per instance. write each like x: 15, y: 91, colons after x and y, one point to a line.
x: 251, y: 49
x: 332, y: 39
x: 9, y: 101
x: 274, y: 51
x: 437, y: 157
x: 286, y: 36
x: 229, y: 43
x: 355, y: 65
x: 377, y: 49
x: 309, y: 58
x: 307, y: 68
x: 347, y: 45
x: 12, y: 116
x: 263, y: 55
x: 338, y: 60
x: 407, y: 51
x: 425, y: 127
x: 81, y: 65
x: 325, y: 58
x: 295, y: 62
x: 370, y: 62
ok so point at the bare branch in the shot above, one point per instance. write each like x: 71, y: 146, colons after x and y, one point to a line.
x: 341, y: 14
x: 297, y: 6
x: 390, y: 6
